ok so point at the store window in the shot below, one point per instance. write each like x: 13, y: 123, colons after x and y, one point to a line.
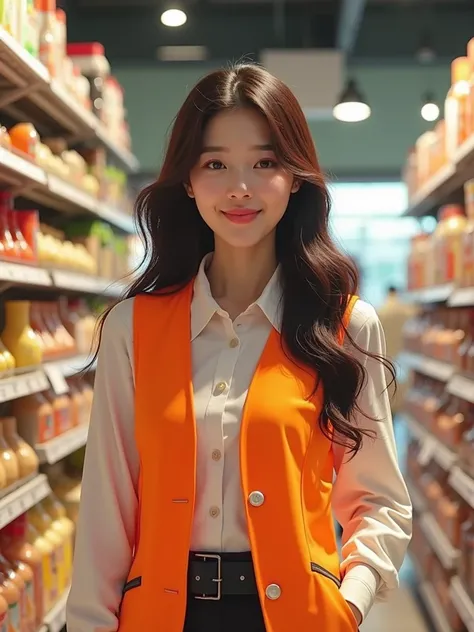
x: 367, y: 222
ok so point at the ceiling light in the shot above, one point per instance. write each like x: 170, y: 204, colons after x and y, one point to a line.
x: 352, y: 106
x: 430, y: 109
x: 173, y: 17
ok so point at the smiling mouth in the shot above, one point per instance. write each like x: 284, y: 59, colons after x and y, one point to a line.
x: 241, y: 216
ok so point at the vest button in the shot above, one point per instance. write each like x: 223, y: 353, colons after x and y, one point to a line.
x: 273, y: 591
x: 256, y: 499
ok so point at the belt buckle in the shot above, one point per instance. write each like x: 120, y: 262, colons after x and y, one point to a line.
x: 218, y: 579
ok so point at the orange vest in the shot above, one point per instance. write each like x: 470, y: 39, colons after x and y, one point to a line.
x: 284, y: 456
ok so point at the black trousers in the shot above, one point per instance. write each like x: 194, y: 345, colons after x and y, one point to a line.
x: 230, y: 614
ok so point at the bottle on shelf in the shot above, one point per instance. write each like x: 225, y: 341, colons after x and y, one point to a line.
x: 48, y: 564
x: 28, y: 462
x: 16, y: 547
x: 61, y: 405
x: 19, y: 337
x: 456, y: 223
x: 42, y: 521
x: 470, y: 113
x: 9, y: 591
x: 35, y: 418
x: 65, y: 527
x: 456, y: 106
x: 8, y: 247
x: 9, y: 461
x: 467, y: 279
x: 48, y: 33
x: 25, y: 253
x: 7, y: 569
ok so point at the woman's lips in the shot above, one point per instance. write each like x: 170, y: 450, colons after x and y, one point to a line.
x: 241, y: 215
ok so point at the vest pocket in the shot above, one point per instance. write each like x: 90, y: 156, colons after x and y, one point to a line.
x: 133, y: 583
x: 316, y: 568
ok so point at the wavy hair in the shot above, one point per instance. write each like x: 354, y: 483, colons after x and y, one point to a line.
x: 317, y: 279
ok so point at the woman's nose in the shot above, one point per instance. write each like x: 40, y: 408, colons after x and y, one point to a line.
x: 239, y: 189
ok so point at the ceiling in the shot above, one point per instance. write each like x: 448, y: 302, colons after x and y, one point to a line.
x: 376, y: 31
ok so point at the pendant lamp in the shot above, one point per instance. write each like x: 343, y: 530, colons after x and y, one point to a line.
x: 352, y: 107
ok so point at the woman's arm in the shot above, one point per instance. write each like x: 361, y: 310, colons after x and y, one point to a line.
x: 106, y: 527
x: 370, y: 498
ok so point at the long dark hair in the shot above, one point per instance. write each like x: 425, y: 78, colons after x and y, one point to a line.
x: 317, y: 279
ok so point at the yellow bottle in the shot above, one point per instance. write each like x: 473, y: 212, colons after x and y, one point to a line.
x: 19, y: 337
x: 65, y: 528
x: 43, y: 522
x: 8, y: 359
x: 44, y: 546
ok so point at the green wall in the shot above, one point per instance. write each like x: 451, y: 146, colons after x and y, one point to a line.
x: 376, y: 147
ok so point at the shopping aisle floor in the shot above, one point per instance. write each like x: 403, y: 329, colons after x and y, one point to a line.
x: 403, y: 611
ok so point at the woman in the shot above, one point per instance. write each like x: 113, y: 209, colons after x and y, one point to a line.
x: 225, y: 398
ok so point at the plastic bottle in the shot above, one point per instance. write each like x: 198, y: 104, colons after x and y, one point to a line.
x: 9, y: 249
x: 470, y: 113
x: 17, y: 548
x: 9, y: 591
x: 7, y: 569
x: 28, y: 462
x: 3, y: 612
x: 456, y: 105
x: 43, y: 522
x: 8, y: 461
x: 456, y: 223
x: 467, y: 279
x: 439, y: 248
x: 19, y: 337
x: 47, y: 34
x: 65, y: 528
x: 48, y: 565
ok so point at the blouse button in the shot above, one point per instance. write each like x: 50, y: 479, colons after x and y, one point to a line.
x: 216, y: 455
x: 220, y: 388
x: 214, y: 512
x: 234, y: 343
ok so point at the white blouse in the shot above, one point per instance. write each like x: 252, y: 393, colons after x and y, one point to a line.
x: 370, y: 499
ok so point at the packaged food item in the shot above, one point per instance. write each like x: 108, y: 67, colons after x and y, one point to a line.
x: 8, y: 461
x: 456, y: 105
x: 10, y: 592
x: 65, y: 527
x: 19, y: 337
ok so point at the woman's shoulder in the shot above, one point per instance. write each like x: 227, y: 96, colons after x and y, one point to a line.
x: 363, y: 316
x: 120, y: 318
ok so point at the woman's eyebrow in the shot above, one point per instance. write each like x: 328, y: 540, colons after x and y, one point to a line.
x: 214, y: 148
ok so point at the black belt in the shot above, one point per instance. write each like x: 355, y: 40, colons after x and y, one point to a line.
x: 212, y: 576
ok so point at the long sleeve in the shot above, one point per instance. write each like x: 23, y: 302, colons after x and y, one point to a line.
x: 370, y: 498
x: 107, y: 517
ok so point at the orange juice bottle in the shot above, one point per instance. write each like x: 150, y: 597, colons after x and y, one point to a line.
x: 456, y: 223
x: 65, y: 527
x: 456, y: 105
x: 16, y: 548
x: 470, y: 112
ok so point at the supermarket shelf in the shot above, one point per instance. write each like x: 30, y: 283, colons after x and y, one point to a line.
x: 55, y: 620
x: 463, y: 484
x: 461, y: 386
x: 29, y: 93
x: 83, y: 283
x: 448, y: 180
x: 438, y: 541
x: 22, y: 385
x: 432, y: 447
x: 436, y: 294
x: 434, y: 608
x: 462, y: 297
x: 462, y: 602
x: 53, y: 451
x: 23, y: 498
x: 50, y: 190
x: 69, y: 366
x: 428, y: 366
x: 26, y: 275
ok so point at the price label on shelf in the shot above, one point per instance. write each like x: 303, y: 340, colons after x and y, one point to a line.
x: 57, y: 379
x: 427, y: 451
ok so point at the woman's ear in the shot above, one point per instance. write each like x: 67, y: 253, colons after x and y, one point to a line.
x: 189, y: 190
x: 296, y: 185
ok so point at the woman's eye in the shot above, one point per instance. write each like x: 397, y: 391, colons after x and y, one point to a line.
x: 266, y: 163
x: 214, y: 165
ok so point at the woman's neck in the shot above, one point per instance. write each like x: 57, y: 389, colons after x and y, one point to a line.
x: 238, y: 276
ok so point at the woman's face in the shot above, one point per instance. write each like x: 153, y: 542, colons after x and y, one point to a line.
x: 240, y: 189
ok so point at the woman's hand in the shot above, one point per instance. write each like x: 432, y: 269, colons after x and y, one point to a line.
x: 355, y: 612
